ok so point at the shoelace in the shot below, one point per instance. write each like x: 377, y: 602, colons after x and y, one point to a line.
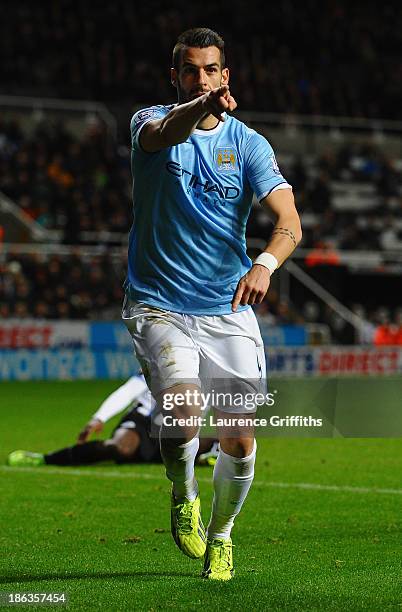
x: 224, y: 555
x: 184, y: 518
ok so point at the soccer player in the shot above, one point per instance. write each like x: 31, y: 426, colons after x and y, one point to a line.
x: 190, y: 283
x: 130, y: 441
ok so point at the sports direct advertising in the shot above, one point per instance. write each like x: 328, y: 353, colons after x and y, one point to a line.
x: 79, y: 350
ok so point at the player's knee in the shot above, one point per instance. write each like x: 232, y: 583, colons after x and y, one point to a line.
x: 237, y: 447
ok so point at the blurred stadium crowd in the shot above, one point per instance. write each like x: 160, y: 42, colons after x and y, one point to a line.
x: 350, y: 198
x: 64, y: 183
x: 56, y: 287
x: 350, y: 64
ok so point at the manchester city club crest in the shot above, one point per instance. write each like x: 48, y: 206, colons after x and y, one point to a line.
x: 226, y: 159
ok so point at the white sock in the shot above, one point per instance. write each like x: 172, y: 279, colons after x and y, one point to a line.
x: 179, y: 464
x: 232, y: 480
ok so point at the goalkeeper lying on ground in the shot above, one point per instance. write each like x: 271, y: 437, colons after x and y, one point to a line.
x: 130, y: 441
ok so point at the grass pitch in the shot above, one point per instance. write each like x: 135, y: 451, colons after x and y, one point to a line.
x: 321, y: 528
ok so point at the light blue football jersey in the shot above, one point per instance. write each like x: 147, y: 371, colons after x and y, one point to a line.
x: 187, y: 245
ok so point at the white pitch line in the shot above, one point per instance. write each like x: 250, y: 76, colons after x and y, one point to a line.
x: 93, y: 473
x: 319, y: 487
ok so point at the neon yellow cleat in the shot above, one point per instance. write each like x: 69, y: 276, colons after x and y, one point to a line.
x: 210, y: 457
x: 218, y: 562
x: 187, y: 528
x: 21, y: 458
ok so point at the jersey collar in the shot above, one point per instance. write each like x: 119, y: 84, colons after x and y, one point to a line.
x: 214, y: 130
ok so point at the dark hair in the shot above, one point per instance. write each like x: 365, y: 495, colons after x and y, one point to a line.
x: 199, y: 38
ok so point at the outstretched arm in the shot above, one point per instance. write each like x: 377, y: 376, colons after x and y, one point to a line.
x: 93, y: 426
x: 182, y: 120
x: 287, y: 234
x: 116, y: 402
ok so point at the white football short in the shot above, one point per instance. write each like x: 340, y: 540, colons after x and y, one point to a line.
x: 217, y: 353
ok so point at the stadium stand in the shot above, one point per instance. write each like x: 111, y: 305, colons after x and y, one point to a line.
x: 60, y: 287
x: 349, y: 64
x: 351, y: 197
x: 66, y: 184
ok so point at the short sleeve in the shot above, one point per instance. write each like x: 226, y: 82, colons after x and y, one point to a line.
x: 261, y: 166
x: 140, y: 119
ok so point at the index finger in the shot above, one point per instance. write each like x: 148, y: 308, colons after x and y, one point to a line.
x: 221, y: 91
x: 232, y: 103
x: 237, y: 297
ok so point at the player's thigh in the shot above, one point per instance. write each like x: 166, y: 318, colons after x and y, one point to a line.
x: 181, y: 412
x: 233, y: 345
x: 233, y: 369
x: 167, y: 354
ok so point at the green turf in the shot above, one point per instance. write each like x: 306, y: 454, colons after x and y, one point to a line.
x: 101, y: 534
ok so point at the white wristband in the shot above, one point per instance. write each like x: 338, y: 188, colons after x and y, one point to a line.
x: 267, y: 260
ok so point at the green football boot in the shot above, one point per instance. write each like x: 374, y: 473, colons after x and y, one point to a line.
x: 210, y: 457
x: 187, y: 529
x: 218, y: 562
x: 21, y: 458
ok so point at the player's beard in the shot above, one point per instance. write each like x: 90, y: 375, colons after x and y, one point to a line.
x: 184, y: 97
